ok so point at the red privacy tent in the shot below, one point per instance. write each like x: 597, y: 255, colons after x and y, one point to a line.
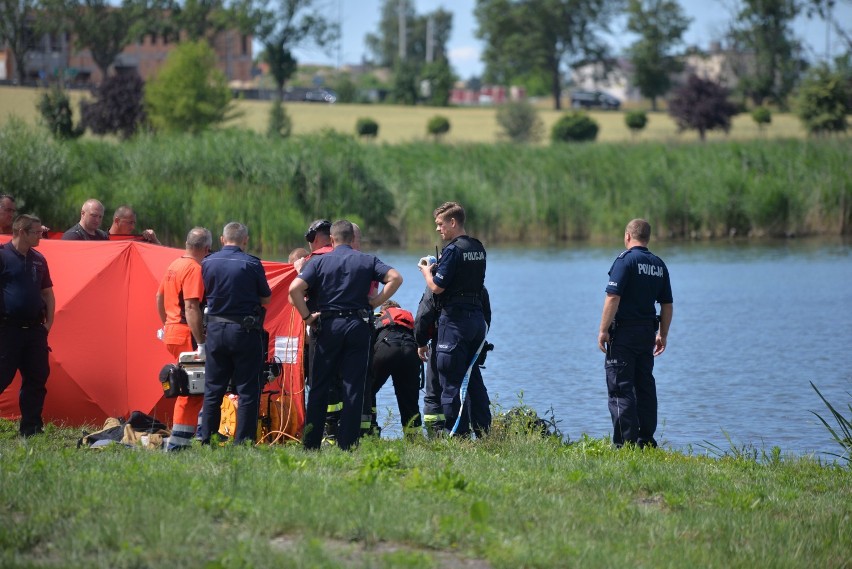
x: 105, y: 356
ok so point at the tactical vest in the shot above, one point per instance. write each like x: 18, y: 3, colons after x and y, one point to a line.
x: 395, y: 317
x: 395, y: 327
x: 469, y: 276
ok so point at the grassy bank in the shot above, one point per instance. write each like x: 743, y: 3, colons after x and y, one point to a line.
x: 402, y: 124
x: 507, y: 501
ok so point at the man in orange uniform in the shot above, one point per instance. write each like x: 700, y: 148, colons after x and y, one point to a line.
x: 179, y: 304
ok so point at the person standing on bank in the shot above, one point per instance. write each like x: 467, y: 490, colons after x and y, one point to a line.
x: 340, y: 282
x: 91, y: 216
x: 458, y: 277
x: 236, y: 288
x: 26, y: 315
x: 631, y: 335
x: 179, y: 299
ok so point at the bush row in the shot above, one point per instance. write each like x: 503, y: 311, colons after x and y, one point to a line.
x: 512, y: 193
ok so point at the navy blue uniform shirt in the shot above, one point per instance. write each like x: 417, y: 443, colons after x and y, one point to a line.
x: 22, y: 278
x: 640, y: 278
x: 341, y: 280
x: 234, y: 282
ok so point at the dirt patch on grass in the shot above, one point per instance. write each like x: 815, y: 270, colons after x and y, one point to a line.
x: 358, y: 554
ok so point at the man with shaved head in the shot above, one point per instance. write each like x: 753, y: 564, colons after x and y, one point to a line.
x: 91, y: 217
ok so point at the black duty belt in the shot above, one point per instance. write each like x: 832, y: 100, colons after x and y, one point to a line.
x: 360, y: 313
x: 640, y: 322
x: 226, y: 318
x: 18, y: 323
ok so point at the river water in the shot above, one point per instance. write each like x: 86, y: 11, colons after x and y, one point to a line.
x: 753, y: 325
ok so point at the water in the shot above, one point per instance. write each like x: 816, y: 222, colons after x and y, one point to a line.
x: 753, y: 324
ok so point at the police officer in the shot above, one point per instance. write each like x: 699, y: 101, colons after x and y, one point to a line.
x: 478, y: 405
x: 26, y: 315
x: 236, y: 288
x: 631, y: 336
x: 458, y: 277
x: 340, y: 281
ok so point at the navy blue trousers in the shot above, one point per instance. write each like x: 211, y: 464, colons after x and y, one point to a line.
x: 26, y: 349
x: 461, y: 330
x: 630, y: 384
x: 232, y: 352
x: 342, y: 347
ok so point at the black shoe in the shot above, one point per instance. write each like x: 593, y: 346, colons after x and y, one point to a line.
x: 31, y: 432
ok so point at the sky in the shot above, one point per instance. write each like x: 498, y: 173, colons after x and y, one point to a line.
x: 709, y: 19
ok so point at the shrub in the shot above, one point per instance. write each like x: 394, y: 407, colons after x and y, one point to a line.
x: 702, y: 105
x: 823, y: 101
x: 280, y: 123
x: 189, y: 94
x: 55, y: 108
x: 762, y: 116
x: 347, y: 91
x: 438, y: 126
x: 574, y: 127
x: 636, y: 121
x: 519, y: 122
x: 367, y: 127
x: 118, y: 107
x: 34, y: 169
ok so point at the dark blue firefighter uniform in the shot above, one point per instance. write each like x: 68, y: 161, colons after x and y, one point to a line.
x: 23, y: 339
x: 461, y: 326
x: 478, y: 405
x: 340, y: 282
x: 234, y: 283
x: 640, y: 279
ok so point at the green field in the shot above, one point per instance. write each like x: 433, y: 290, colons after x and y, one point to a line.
x: 398, y: 124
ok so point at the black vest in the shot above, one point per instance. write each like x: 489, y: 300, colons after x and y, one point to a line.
x: 469, y: 276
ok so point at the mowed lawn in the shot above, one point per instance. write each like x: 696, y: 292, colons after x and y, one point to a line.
x: 399, y: 124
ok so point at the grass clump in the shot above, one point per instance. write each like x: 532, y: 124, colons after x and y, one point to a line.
x: 503, y: 501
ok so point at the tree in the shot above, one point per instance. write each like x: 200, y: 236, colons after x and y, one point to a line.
x: 102, y: 28
x: 436, y: 80
x: 280, y: 124
x: 823, y: 100
x: 438, y: 126
x: 544, y: 35
x: 661, y: 24
x: 404, y: 89
x: 762, y: 117
x: 519, y: 122
x: 285, y: 25
x: 702, y: 105
x: 189, y: 94
x: 769, y: 63
x: 384, y: 44
x: 16, y: 30
x: 55, y: 109
x: 118, y: 107
x: 198, y: 19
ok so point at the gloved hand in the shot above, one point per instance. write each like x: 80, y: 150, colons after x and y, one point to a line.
x: 161, y: 333
x: 199, y: 353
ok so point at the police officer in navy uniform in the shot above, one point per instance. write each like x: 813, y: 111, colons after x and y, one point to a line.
x: 478, y: 405
x: 27, y: 306
x: 458, y: 278
x: 341, y: 282
x: 236, y: 288
x: 631, y: 336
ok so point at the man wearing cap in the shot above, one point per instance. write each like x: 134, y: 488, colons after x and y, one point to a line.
x: 340, y: 282
x: 91, y: 216
x: 26, y: 315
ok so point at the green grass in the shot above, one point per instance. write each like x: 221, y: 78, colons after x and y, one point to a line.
x: 506, y: 501
x: 399, y: 124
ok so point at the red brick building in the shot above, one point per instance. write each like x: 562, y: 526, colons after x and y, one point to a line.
x: 53, y: 55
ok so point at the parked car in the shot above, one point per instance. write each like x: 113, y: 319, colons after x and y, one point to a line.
x: 321, y: 96
x: 594, y: 100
